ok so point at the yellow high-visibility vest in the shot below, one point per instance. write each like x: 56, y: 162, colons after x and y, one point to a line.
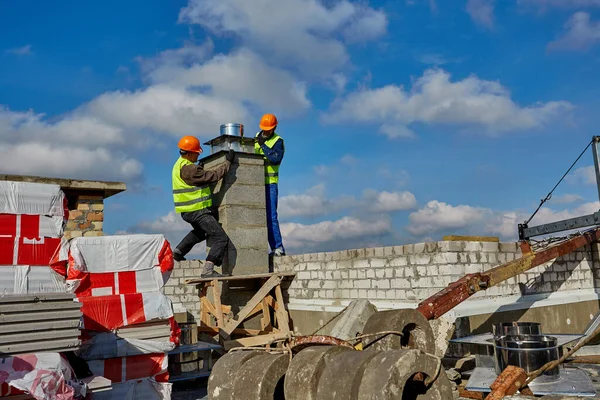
x: 271, y: 171
x: 188, y: 198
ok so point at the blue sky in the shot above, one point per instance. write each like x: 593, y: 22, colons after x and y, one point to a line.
x: 404, y: 120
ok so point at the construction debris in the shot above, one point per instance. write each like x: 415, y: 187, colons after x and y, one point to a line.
x: 350, y: 322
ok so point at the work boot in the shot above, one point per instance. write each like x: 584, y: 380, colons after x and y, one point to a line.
x: 212, y: 274
x: 177, y: 256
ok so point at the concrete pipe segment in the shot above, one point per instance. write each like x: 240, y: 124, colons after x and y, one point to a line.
x: 261, y: 378
x: 416, y: 331
x: 225, y: 371
x: 303, y: 375
x: 401, y: 374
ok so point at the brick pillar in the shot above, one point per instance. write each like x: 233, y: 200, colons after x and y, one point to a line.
x: 87, y: 218
x: 240, y: 198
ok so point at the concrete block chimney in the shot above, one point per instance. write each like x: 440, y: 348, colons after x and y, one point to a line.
x: 240, y: 200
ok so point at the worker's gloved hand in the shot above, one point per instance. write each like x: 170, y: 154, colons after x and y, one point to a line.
x: 230, y: 155
x: 260, y: 139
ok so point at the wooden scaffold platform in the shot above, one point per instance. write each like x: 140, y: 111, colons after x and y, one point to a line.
x: 268, y: 302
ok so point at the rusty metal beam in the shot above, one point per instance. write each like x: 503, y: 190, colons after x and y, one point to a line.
x: 459, y: 291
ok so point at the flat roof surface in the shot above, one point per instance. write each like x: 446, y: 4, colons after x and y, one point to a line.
x: 73, y: 185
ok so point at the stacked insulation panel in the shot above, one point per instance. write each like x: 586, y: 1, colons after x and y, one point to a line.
x: 128, y: 322
x: 32, y: 219
x: 38, y: 316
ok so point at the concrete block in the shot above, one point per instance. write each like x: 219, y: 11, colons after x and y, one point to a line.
x: 313, y: 266
x: 378, y: 262
x: 372, y: 294
x: 450, y: 246
x: 473, y: 246
x: 353, y: 274
x: 379, y: 251
x: 490, y: 247
x: 418, y: 248
x: 231, y: 216
x: 370, y: 273
x: 362, y: 274
x: 244, y: 195
x: 362, y: 284
x: 399, y: 261
x: 509, y: 247
x: 362, y: 294
x: 360, y: 264
x: 245, y: 174
x: 409, y: 272
x: 399, y: 250
x: 303, y: 275
x: 250, y: 261
x: 331, y: 265
x: 381, y: 284
x: 389, y: 272
x: 381, y: 294
x: 351, y: 321
x: 445, y: 258
x: 380, y: 273
x: 388, y: 251
x: 420, y: 259
x: 400, y: 283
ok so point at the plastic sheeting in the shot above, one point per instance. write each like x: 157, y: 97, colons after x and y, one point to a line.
x: 105, y: 313
x: 20, y: 250
x: 113, y: 283
x: 108, y: 345
x: 42, y: 375
x: 31, y: 226
x: 147, y: 389
x: 32, y: 198
x: 118, y: 253
x: 22, y: 279
x: 123, y: 369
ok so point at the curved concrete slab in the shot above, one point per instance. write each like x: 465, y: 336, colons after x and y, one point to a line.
x: 304, y: 372
x: 260, y: 378
x: 224, y: 372
x: 417, y: 333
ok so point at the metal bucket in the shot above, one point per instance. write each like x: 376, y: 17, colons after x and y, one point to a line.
x: 516, y: 328
x: 529, y: 352
x: 232, y: 129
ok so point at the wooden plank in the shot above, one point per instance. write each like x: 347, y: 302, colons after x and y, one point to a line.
x: 266, y: 318
x: 238, y: 331
x: 209, y: 307
x: 283, y: 322
x: 197, y: 281
x: 270, y: 284
x: 217, y: 301
x: 253, y: 341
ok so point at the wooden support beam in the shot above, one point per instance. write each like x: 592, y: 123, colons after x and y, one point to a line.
x: 283, y: 323
x: 217, y: 302
x: 272, y: 282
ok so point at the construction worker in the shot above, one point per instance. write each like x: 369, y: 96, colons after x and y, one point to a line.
x: 192, y: 196
x: 270, y: 145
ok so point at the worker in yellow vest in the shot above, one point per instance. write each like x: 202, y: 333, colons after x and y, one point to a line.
x: 270, y: 145
x: 192, y: 196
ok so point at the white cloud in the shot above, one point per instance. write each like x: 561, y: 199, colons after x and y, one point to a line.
x: 581, y: 33
x: 301, y: 34
x: 314, y: 203
x: 583, y: 175
x: 387, y: 202
x: 21, y: 51
x: 439, y: 217
x: 566, y: 199
x: 167, y: 109
x: 72, y: 147
x: 306, y: 237
x: 435, y: 99
x: 241, y: 76
x: 482, y: 12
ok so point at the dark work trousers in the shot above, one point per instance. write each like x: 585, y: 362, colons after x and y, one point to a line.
x: 205, y: 226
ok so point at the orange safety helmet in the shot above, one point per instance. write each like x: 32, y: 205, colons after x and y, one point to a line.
x: 190, y: 143
x: 268, y: 122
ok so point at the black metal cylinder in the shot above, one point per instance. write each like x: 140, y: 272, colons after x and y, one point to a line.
x: 529, y: 352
